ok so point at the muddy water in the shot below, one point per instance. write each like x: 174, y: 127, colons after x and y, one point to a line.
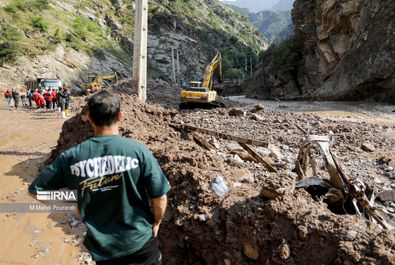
x: 26, y: 137
x: 371, y: 112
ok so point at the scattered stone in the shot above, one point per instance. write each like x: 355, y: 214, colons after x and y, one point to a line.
x: 259, y: 107
x: 368, y: 147
x: 278, y: 184
x: 66, y: 240
x: 385, y: 159
x: 74, y: 223
x: 250, y: 252
x: 236, y: 112
x: 387, y: 195
x: 257, y: 117
x: 275, y: 153
x: 285, y: 251
x: 202, y: 217
x: 302, y: 232
x: 351, y: 235
x: 243, y: 175
x: 238, y: 159
x: 214, y: 143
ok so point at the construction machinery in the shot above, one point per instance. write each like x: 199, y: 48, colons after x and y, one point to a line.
x: 95, y: 83
x: 203, y: 92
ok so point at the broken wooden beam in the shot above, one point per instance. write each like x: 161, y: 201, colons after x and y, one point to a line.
x: 220, y: 135
x: 202, y: 142
x: 258, y: 158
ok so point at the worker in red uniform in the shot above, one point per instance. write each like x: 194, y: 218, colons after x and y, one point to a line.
x: 48, y: 98
x: 36, y: 98
x: 54, y: 99
x: 41, y: 100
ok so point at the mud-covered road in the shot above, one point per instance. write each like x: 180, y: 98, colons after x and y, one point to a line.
x: 26, y: 137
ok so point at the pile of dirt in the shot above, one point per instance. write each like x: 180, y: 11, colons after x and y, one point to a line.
x: 243, y: 227
x: 159, y: 92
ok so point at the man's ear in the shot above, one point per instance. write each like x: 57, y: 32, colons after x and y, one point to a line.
x: 120, y: 116
x: 90, y: 120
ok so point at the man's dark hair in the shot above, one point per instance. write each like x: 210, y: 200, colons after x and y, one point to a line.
x: 104, y: 108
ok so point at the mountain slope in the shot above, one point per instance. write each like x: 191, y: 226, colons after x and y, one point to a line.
x: 71, y: 39
x: 252, y: 5
x: 342, y: 50
x: 271, y: 23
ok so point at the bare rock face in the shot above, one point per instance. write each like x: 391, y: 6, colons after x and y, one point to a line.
x: 346, y: 53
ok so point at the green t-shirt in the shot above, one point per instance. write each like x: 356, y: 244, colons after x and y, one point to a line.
x: 113, y: 175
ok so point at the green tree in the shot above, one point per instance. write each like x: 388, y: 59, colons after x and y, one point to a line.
x: 8, y: 52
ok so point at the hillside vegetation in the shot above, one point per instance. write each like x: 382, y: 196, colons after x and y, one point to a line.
x: 270, y: 23
x: 37, y: 27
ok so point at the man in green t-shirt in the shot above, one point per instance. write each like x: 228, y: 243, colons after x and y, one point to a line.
x: 114, y: 177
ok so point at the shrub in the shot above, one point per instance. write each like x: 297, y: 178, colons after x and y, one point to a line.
x: 10, y: 33
x: 8, y: 52
x: 40, y: 4
x: 57, y: 37
x: 39, y: 23
x: 11, y: 8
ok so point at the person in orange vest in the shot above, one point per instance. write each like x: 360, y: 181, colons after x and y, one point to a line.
x: 54, y: 99
x: 48, y: 98
x: 8, y: 96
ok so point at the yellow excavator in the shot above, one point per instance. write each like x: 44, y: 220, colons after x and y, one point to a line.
x: 203, y: 92
x: 94, y: 83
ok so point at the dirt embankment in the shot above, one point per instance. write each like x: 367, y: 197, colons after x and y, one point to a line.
x: 243, y: 227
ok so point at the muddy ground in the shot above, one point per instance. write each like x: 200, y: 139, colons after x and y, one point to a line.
x: 244, y: 227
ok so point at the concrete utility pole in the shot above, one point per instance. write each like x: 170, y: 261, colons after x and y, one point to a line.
x: 178, y: 66
x: 139, y: 81
x: 251, y: 65
x: 174, y: 66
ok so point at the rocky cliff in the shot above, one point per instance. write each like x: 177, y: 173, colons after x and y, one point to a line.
x: 73, y: 39
x: 342, y: 50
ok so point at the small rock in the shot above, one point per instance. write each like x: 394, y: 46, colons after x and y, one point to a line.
x: 74, y: 223
x: 275, y: 153
x: 385, y: 159
x: 351, y: 235
x: 387, y: 195
x: 202, y: 217
x: 368, y: 147
x: 391, y: 163
x: 302, y: 232
x: 66, y: 240
x: 259, y: 107
x: 243, y: 175
x: 214, y: 143
x: 257, y: 117
x: 227, y: 262
x: 236, y: 184
x: 285, y: 251
x: 238, y: 159
x: 250, y: 252
x: 236, y: 112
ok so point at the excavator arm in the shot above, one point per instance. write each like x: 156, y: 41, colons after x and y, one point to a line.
x: 216, y: 62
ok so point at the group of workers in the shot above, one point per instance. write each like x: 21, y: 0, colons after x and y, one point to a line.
x: 50, y: 99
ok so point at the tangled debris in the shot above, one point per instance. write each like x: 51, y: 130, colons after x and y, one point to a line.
x: 262, y: 219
